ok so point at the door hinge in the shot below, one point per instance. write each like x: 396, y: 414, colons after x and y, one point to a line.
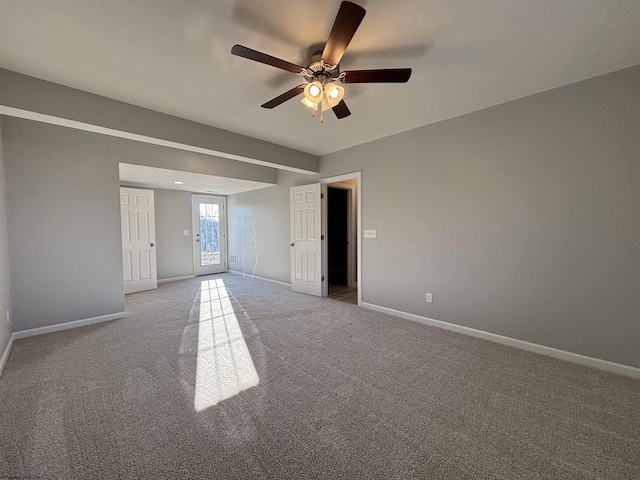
x: 322, y: 278
x: 322, y: 195
x: 321, y: 237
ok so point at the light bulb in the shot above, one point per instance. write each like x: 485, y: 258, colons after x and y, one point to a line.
x: 313, y: 91
x: 334, y: 94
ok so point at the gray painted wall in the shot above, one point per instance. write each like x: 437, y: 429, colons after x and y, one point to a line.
x: 63, y: 223
x: 63, y: 216
x: 522, y: 219
x: 5, y: 290
x: 259, y: 229
x: 174, y: 251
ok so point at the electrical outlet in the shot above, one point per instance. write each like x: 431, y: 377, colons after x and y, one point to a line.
x: 429, y: 298
x: 185, y: 233
x: 370, y: 233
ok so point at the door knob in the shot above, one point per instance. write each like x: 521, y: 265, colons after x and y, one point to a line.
x: 153, y: 244
x: 292, y: 244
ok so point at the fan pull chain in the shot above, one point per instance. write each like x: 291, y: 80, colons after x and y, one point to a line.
x: 321, y: 114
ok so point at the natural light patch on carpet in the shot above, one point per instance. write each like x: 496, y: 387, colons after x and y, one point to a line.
x: 224, y: 367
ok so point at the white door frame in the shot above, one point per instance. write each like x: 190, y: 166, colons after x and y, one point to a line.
x: 324, y: 182
x: 196, y: 228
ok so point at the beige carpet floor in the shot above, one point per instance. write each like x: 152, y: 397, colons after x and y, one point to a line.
x: 227, y: 377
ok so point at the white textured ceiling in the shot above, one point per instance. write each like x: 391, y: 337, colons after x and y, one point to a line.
x: 151, y: 177
x: 174, y: 57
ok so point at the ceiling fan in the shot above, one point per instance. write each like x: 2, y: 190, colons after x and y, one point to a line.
x: 321, y: 88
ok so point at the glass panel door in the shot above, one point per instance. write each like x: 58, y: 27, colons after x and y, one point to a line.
x: 209, y: 234
x: 209, y: 226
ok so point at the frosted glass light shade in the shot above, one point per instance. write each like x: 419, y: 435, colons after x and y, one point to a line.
x: 309, y: 104
x: 334, y: 94
x: 314, y: 92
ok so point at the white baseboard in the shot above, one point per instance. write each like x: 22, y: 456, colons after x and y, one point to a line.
x: 247, y: 275
x: 175, y: 279
x: 7, y: 351
x: 67, y: 325
x: 618, y: 368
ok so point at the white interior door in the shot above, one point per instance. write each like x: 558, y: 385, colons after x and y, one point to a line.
x: 210, y: 234
x: 138, y: 240
x: 306, y: 273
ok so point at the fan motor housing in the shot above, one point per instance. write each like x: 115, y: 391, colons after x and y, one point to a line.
x: 318, y: 70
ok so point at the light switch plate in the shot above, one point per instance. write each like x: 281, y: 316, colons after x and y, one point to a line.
x: 370, y: 233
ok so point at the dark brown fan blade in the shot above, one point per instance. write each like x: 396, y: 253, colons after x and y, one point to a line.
x: 347, y: 22
x: 389, y: 75
x: 341, y: 110
x: 256, y: 56
x: 284, y: 97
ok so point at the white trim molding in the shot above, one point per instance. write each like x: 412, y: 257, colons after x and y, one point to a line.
x: 606, y: 365
x: 67, y: 325
x: 175, y: 279
x: 248, y: 275
x: 5, y: 354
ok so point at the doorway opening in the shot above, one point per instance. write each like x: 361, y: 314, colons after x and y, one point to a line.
x: 339, y: 240
x: 342, y: 246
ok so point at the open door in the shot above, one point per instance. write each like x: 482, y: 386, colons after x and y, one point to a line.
x: 138, y: 240
x: 306, y: 240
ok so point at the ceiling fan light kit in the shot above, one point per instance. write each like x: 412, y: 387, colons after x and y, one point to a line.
x: 322, y: 96
x: 321, y: 91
